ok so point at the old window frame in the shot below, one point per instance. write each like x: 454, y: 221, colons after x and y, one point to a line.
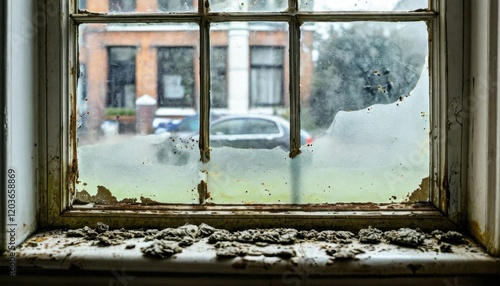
x: 58, y: 163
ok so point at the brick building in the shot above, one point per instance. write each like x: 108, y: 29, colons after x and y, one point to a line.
x: 123, y: 62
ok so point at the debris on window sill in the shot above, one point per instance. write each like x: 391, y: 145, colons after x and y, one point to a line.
x: 191, y: 248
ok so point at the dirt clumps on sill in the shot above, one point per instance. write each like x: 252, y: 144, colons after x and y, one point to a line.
x: 278, y: 242
x: 370, y: 235
x: 451, y: 237
x: 161, y: 249
x: 405, y: 237
x: 252, y: 244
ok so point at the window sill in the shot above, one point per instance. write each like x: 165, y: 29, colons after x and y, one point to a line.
x: 52, y: 250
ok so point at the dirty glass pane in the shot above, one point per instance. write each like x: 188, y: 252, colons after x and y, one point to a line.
x: 218, y: 76
x: 138, y: 6
x: 362, y: 5
x: 250, y: 138
x: 176, y: 5
x: 122, y: 6
x: 248, y: 5
x: 82, y: 4
x: 367, y: 107
x: 136, y: 82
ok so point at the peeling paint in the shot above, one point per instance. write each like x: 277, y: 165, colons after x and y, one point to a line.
x: 421, y: 194
x: 103, y: 196
x: 148, y: 201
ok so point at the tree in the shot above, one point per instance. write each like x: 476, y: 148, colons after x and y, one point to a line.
x: 362, y: 64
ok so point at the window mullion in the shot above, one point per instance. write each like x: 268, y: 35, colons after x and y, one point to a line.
x: 294, y: 58
x: 204, y: 111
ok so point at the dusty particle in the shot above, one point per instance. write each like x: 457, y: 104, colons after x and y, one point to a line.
x: 340, y: 253
x: 221, y: 235
x: 405, y: 237
x: 161, y: 249
x: 205, y: 230
x: 445, y: 247
x: 335, y: 236
x: 186, y: 241
x: 370, y: 235
x: 254, y: 252
x: 307, y: 234
x: 109, y: 238
x: 230, y: 249
x: 101, y: 227
x: 85, y: 232
x: 451, y: 237
x: 151, y: 231
x: 136, y: 233
x: 279, y: 252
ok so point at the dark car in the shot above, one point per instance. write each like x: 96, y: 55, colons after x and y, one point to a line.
x: 237, y: 131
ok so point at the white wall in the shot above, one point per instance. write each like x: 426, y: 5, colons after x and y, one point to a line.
x: 484, y: 160
x: 21, y: 98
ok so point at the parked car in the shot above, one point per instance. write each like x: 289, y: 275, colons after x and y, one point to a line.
x: 237, y: 131
x: 188, y: 124
x: 253, y: 132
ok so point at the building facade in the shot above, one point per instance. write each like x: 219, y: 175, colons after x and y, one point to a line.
x: 121, y: 62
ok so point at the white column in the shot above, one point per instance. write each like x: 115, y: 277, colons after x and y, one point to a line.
x: 238, y: 68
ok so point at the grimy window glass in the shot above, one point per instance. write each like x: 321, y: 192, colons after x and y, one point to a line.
x: 319, y: 102
x: 218, y: 80
x: 122, y: 5
x: 175, y: 5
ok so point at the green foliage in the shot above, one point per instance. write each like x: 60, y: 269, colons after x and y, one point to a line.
x: 120, y: 111
x: 363, y: 64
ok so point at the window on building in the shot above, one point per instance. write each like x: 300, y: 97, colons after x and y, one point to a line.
x: 175, y: 5
x: 122, y: 5
x: 176, y: 76
x: 121, y: 77
x: 266, y: 76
